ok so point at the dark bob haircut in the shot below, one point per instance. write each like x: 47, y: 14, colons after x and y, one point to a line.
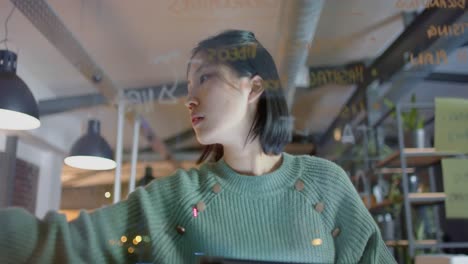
x: 272, y: 122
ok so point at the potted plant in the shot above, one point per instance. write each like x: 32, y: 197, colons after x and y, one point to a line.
x: 413, y: 124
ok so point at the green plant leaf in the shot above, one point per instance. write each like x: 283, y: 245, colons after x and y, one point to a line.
x: 420, y: 124
x: 390, y: 105
x: 411, y: 120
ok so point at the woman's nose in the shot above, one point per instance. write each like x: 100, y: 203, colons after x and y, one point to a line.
x: 190, y: 103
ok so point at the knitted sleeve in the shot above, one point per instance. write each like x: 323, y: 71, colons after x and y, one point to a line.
x: 117, y: 233
x: 359, y: 240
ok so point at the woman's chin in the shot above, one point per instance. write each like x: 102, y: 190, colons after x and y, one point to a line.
x: 204, y: 138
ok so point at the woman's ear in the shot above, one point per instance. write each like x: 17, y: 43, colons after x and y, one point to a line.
x: 257, y: 88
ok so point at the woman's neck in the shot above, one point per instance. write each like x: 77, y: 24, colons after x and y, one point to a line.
x: 251, y: 160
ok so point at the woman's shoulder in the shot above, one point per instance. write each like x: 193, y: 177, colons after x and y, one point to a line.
x: 324, y: 175
x: 329, y: 180
x: 182, y: 180
x: 317, y: 167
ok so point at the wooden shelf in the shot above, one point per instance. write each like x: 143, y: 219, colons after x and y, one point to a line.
x: 415, y: 157
x: 393, y: 170
x: 426, y: 198
x: 414, y: 199
x: 375, y: 207
x: 404, y: 243
x: 379, y: 206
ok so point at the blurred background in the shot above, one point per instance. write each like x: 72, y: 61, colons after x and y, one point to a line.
x: 109, y: 77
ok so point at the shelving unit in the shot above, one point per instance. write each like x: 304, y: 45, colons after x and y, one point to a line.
x: 361, y: 175
x: 424, y: 244
x: 404, y: 243
x: 426, y: 198
x: 393, y: 170
x: 405, y: 160
x: 414, y: 157
x: 379, y: 206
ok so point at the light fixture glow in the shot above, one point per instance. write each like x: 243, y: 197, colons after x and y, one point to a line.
x: 13, y: 120
x: 91, y: 151
x: 337, y: 134
x: 90, y: 163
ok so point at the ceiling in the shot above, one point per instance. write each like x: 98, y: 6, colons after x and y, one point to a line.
x: 146, y: 43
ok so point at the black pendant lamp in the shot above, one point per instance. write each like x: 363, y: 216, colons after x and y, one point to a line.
x: 18, y: 108
x: 91, y: 151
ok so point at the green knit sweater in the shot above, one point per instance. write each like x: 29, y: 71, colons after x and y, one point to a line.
x: 306, y: 211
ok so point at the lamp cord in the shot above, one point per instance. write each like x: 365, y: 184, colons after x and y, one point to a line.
x: 5, y: 40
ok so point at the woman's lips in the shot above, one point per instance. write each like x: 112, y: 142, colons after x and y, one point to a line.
x: 197, y: 120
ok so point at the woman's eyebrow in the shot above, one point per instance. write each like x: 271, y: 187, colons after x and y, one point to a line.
x: 201, y: 67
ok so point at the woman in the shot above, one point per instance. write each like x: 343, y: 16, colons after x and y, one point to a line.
x: 251, y: 201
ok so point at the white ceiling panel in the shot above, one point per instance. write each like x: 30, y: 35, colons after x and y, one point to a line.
x: 354, y: 30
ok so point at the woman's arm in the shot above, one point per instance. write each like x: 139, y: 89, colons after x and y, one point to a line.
x: 103, y: 236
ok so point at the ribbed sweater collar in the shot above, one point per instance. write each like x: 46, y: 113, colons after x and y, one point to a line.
x: 274, y: 182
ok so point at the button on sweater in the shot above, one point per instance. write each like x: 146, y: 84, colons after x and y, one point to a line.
x: 306, y: 211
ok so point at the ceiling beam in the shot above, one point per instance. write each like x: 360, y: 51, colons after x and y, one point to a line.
x: 395, y: 58
x: 71, y: 103
x: 447, y: 77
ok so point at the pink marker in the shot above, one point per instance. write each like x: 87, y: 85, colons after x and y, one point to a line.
x: 195, y: 211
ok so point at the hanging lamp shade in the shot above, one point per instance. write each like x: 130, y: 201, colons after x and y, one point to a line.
x: 18, y: 108
x: 91, y: 151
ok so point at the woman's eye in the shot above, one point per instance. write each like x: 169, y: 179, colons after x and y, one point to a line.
x: 203, y: 78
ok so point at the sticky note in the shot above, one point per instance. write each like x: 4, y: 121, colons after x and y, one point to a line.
x: 455, y: 177
x: 451, y: 125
